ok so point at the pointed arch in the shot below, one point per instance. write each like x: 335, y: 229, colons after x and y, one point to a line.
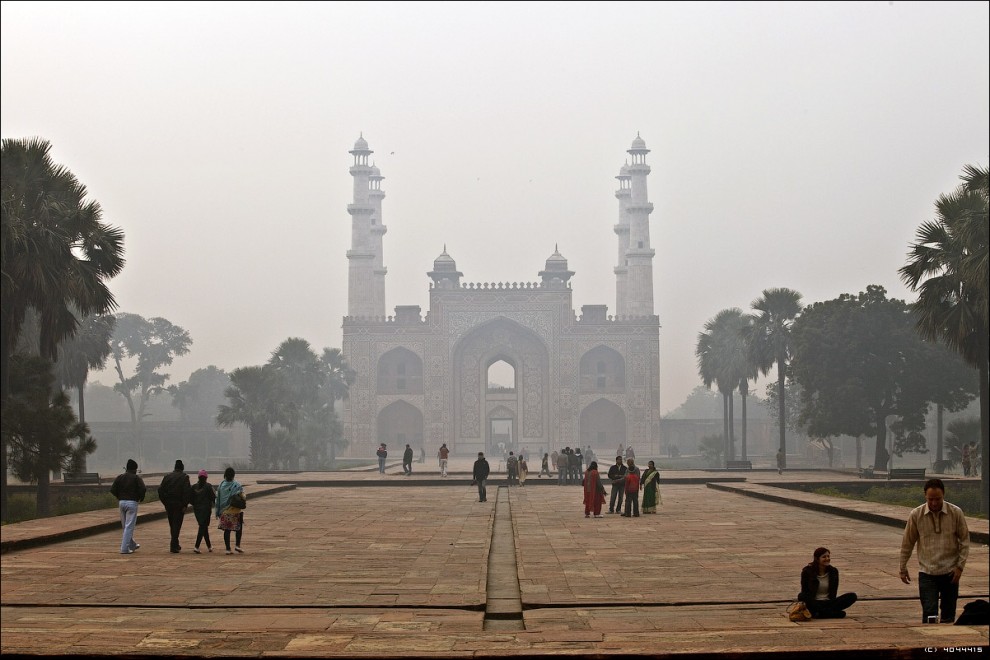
x: 500, y: 339
x: 602, y: 369
x: 603, y: 426
x: 400, y: 423
x: 400, y: 371
x: 501, y: 374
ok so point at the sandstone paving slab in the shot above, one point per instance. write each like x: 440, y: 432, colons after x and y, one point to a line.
x: 311, y: 552
x: 361, y: 556
x: 683, y: 554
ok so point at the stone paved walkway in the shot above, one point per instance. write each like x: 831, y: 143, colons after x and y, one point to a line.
x: 403, y: 572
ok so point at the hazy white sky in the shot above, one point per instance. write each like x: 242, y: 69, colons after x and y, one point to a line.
x: 795, y: 145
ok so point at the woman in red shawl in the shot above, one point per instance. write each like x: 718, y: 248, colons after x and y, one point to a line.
x: 594, y: 492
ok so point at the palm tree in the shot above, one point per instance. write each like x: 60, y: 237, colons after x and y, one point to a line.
x: 88, y: 349
x: 299, y: 368
x: 337, y: 380
x: 747, y: 371
x: 947, y: 266
x: 256, y: 399
x: 56, y: 256
x: 769, y: 340
x: 723, y: 360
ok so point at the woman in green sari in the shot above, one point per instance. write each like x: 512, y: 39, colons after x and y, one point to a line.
x: 650, y: 484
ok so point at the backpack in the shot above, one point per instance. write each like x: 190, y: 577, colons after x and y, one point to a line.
x: 976, y: 613
x: 632, y: 482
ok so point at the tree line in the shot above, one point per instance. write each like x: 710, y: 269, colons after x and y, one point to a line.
x: 58, y: 324
x: 865, y: 364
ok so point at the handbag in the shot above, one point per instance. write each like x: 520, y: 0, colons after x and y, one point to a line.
x: 798, y: 611
x: 238, y: 501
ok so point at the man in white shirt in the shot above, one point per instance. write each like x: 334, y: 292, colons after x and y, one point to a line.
x: 939, y: 529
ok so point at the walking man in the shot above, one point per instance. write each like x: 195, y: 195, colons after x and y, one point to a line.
x: 480, y: 474
x: 617, y: 476
x: 780, y: 461
x: 407, y: 457
x: 175, y: 493
x: 129, y: 489
x: 442, y: 455
x: 939, y: 529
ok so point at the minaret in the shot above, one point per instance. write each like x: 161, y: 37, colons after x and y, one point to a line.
x: 623, y: 194
x: 639, y: 254
x: 365, y: 253
x: 378, y: 229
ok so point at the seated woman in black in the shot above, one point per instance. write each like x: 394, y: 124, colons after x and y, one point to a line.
x: 819, y: 584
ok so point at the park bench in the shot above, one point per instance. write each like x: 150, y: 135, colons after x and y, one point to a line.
x: 81, y: 478
x: 906, y: 473
x: 739, y: 465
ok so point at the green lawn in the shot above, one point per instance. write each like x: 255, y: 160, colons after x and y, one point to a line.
x: 23, y: 506
x: 965, y: 496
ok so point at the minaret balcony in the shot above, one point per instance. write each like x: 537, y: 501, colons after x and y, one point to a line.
x: 360, y: 209
x: 621, y: 229
x: 379, y: 229
x: 360, y: 254
x: 640, y: 208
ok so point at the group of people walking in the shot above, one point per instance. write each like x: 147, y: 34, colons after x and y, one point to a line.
x: 176, y: 493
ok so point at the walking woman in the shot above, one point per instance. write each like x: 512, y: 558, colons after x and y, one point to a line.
x: 819, y: 586
x: 523, y: 470
x: 651, y: 488
x: 594, y: 492
x: 203, y: 499
x: 231, y: 518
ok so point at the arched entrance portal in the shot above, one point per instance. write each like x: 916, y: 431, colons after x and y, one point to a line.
x: 501, y: 375
x: 399, y: 424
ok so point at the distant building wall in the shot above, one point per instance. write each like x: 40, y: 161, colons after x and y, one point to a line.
x: 687, y: 434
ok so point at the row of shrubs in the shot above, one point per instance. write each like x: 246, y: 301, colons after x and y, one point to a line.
x: 24, y: 506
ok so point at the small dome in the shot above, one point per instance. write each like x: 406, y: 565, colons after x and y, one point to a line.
x: 624, y: 170
x: 361, y: 144
x: 444, y: 260
x: 638, y: 143
x: 375, y: 171
x: 556, y: 258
